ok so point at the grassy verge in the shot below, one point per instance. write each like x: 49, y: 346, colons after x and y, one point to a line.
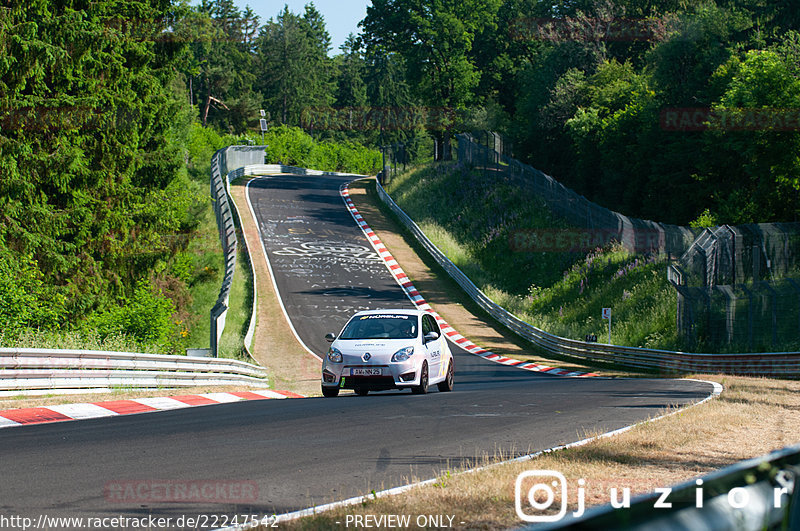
x: 75, y: 340
x: 752, y: 417
x: 240, y: 306
x: 473, y: 219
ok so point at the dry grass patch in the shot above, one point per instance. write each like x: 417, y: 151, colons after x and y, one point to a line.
x: 753, y: 416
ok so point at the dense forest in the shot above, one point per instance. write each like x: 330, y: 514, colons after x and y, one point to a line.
x: 665, y: 109
x: 636, y: 104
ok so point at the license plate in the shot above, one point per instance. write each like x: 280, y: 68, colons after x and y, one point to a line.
x: 366, y: 372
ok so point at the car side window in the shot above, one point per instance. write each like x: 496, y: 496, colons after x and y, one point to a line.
x: 429, y: 325
x: 426, y: 326
x: 435, y: 326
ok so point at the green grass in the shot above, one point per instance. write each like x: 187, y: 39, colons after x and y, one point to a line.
x: 205, y: 271
x: 472, y: 218
x: 75, y: 340
x: 231, y: 344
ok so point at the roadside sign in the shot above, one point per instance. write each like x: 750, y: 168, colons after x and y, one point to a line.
x: 263, y: 124
x: 263, y: 113
x: 607, y: 315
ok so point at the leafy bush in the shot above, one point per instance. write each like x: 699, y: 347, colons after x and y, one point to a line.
x: 25, y: 300
x: 146, y: 316
x: 293, y: 147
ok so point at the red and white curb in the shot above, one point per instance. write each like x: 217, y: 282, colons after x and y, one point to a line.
x: 413, y: 294
x: 63, y: 412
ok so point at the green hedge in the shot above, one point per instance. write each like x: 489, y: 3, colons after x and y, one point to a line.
x: 293, y: 147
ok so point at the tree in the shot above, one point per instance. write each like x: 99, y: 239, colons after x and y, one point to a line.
x: 295, y: 71
x: 435, y: 39
x: 90, y: 151
x: 222, y: 41
x: 751, y: 147
x: 351, y: 89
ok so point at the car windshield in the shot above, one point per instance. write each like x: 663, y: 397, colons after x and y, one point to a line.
x: 381, y: 326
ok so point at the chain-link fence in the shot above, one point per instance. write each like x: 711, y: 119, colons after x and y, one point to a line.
x: 485, y: 152
x: 399, y: 158
x: 738, y: 287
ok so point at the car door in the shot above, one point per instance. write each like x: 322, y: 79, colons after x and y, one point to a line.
x: 433, y: 348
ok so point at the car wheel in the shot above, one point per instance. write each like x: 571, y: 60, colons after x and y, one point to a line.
x: 447, y: 384
x: 422, y: 388
x: 360, y: 391
x: 330, y: 392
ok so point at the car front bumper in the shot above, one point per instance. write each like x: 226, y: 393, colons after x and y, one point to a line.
x: 393, y: 375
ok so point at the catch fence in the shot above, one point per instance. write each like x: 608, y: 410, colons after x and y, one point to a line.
x: 738, y: 287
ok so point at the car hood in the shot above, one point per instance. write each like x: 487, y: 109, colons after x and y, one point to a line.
x: 379, y: 348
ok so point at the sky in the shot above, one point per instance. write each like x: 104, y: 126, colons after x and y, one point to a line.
x: 341, y: 16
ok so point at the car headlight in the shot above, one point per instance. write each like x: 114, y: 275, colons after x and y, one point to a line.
x: 403, y: 354
x: 334, y: 355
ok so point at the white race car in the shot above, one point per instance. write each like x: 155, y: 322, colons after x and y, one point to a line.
x: 379, y: 350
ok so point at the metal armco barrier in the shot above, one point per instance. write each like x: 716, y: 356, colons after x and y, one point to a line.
x: 756, y: 494
x: 28, y: 369
x: 779, y: 364
x: 266, y: 169
x: 225, y: 211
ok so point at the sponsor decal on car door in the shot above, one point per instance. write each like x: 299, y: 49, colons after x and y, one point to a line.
x: 434, y: 348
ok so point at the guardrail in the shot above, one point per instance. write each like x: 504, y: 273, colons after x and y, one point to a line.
x: 226, y: 213
x: 778, y: 364
x: 756, y: 494
x: 265, y: 169
x: 29, y: 369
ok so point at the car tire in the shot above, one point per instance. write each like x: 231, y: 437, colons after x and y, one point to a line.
x: 446, y: 385
x: 422, y: 388
x: 361, y: 391
x: 330, y: 392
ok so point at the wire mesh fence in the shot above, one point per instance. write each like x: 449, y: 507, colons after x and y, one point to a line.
x: 399, y: 158
x: 487, y: 153
x: 738, y: 287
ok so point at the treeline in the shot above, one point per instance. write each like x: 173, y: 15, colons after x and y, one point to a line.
x: 92, y: 139
x: 636, y: 104
x: 662, y: 109
x: 239, y: 65
x: 104, y: 157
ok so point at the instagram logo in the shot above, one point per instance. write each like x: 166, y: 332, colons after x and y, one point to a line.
x: 535, y: 493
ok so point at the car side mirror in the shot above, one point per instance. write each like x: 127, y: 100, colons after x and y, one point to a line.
x: 330, y: 337
x: 431, y: 336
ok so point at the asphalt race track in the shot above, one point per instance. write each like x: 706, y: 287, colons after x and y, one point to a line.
x: 293, y: 454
